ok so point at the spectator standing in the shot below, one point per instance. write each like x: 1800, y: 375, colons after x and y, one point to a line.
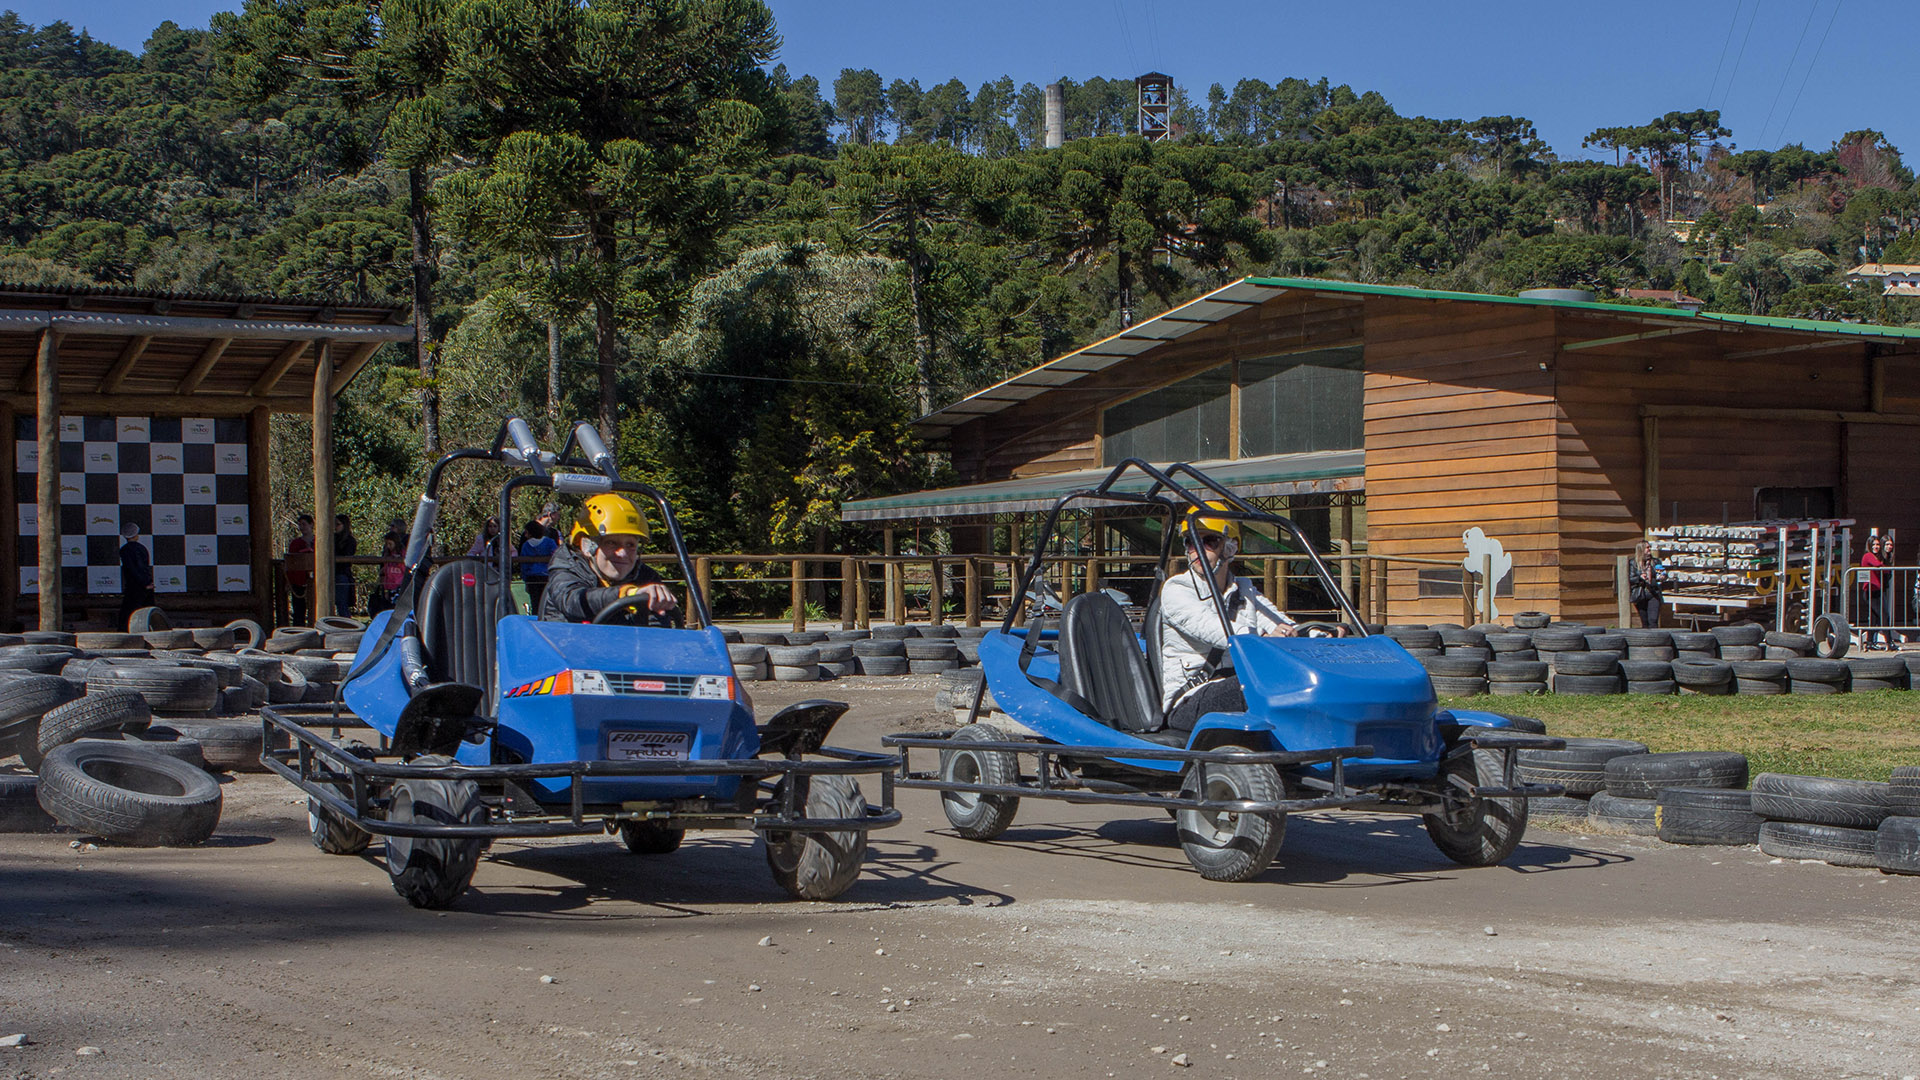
x: 536, y: 543
x: 486, y: 542
x: 392, y: 573
x: 1873, y: 597
x: 343, y: 544
x: 1645, y: 584
x: 136, y: 574
x: 300, y: 568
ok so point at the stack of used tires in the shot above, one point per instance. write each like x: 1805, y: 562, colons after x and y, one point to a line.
x: 1834, y: 821
x: 1580, y: 768
x: 1867, y: 673
x: 1648, y: 666
x: 1689, y: 794
x: 1812, y: 675
x: 809, y: 655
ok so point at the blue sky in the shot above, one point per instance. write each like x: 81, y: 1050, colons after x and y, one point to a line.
x: 1781, y: 71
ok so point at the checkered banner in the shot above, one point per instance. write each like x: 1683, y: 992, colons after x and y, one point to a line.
x: 184, y: 482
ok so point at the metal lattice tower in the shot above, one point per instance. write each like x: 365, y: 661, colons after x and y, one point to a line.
x: 1156, y: 105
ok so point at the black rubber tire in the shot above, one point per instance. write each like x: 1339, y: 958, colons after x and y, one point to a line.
x: 169, y: 743
x: 1506, y: 643
x: 1517, y: 689
x: 333, y: 834
x: 1769, y: 670
x: 1608, y: 642
x: 1448, y: 687
x: 433, y: 872
x: 1560, y: 640
x: 1557, y: 807
x: 264, y: 666
x: 247, y: 634
x: 806, y: 637
x: 1760, y: 687
x: 1455, y: 667
x: 1532, y: 620
x: 974, y: 816
x: 1634, y: 816
x: 1866, y: 686
x: 820, y: 865
x: 1695, y: 641
x: 20, y: 809
x: 840, y: 652
x: 227, y: 745
x: 1229, y: 846
x: 1801, y: 686
x: 1832, y: 637
x: 33, y: 663
x: 168, y: 688
x: 883, y: 665
x: 1479, y: 832
x: 1699, y: 815
x: 1587, y: 684
x: 343, y: 641
x: 932, y: 649
x: 883, y: 647
x: 651, y: 837
x: 1657, y: 687
x: 1740, y: 653
x: 1876, y: 667
x: 1648, y: 637
x: 29, y: 697
x: 1702, y: 674
x: 1461, y: 635
x: 1896, y: 845
x: 1477, y: 653
x: 1903, y: 790
x: 1581, y: 767
x: 1813, y: 669
x: 167, y: 639
x: 289, y: 639
x: 129, y: 796
x: 1644, y: 776
x: 1646, y: 670
x: 338, y: 624
x: 1517, y: 671
x: 148, y: 618
x: 1782, y: 639
x: 1415, y: 637
x: 47, y: 637
x: 763, y: 637
x: 109, y: 639
x: 1826, y: 843
x: 214, y: 638
x: 1651, y: 652
x: 1821, y: 800
x: 1525, y: 724
x: 793, y: 655
x: 745, y: 653
x: 94, y: 714
x: 1738, y: 634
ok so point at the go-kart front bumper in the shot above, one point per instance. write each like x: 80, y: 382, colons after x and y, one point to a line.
x: 352, y: 785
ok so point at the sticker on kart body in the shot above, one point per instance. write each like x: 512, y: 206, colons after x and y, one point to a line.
x: 649, y: 746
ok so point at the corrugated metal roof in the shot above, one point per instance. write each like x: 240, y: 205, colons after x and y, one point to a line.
x: 1231, y: 299
x: 1275, y: 474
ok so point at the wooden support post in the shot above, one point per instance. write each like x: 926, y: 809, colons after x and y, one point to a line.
x: 260, y: 513
x: 1650, y: 467
x: 9, y: 520
x: 1270, y: 580
x: 1093, y: 574
x: 47, y: 495
x: 703, y: 577
x: 1487, y: 586
x: 973, y: 591
x: 1466, y: 597
x: 323, y: 482
x: 1066, y: 581
x: 1623, y: 594
x: 887, y: 573
x: 797, y: 583
x: 1345, y: 547
x: 1368, y: 610
x: 936, y: 592
x: 862, y: 603
x: 897, y: 591
x: 847, y: 571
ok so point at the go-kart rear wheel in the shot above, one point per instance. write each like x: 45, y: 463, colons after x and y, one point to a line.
x: 976, y: 816
x: 1228, y: 846
x: 334, y: 834
x: 819, y: 865
x: 1470, y: 831
x: 651, y: 837
x: 432, y: 872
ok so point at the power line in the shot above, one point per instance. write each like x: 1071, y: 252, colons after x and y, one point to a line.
x: 1787, y: 72
x: 1126, y: 34
x: 1810, y: 65
x: 1726, y: 45
x: 1727, y: 95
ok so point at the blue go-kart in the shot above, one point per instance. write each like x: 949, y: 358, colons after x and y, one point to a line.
x: 1335, y: 718
x: 488, y: 723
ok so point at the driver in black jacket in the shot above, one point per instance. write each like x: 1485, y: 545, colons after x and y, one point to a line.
x: 601, y: 564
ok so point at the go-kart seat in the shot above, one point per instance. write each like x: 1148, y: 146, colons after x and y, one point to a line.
x: 457, y: 616
x: 1101, y: 665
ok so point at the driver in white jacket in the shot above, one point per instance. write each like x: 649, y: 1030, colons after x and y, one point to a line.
x: 1196, y: 674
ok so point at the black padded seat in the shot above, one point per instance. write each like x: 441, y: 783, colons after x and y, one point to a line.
x: 1101, y: 665
x: 457, y: 623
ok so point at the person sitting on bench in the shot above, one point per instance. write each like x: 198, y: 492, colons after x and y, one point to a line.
x: 1196, y: 673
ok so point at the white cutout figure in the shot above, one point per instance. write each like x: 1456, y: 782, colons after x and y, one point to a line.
x: 1479, y: 547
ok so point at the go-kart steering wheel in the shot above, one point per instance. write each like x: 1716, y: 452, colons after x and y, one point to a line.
x: 1319, y: 630
x: 674, y: 618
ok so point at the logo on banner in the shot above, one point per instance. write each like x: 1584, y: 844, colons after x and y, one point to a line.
x: 169, y: 518
x: 199, y: 427
x: 234, y: 519
x: 101, y: 457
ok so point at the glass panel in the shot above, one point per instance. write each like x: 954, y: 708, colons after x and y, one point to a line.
x: 1300, y: 402
x: 1183, y: 422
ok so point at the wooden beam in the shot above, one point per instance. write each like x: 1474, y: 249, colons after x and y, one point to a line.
x: 1810, y: 416
x: 129, y: 355
x: 264, y: 385
x: 127, y: 324
x: 1649, y: 335
x: 202, y: 404
x: 9, y: 520
x: 259, y: 512
x: 323, y: 482
x: 356, y: 360
x: 47, y: 493
x: 1805, y: 346
x: 201, y: 367
x: 1650, y: 467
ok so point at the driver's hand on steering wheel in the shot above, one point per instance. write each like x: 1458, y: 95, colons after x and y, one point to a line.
x: 659, y: 598
x: 1281, y: 630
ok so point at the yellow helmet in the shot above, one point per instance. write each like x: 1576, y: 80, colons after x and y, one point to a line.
x: 1221, y: 526
x: 607, y: 515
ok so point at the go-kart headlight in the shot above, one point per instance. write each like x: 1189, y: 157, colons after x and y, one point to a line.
x: 712, y: 688
x: 590, y: 682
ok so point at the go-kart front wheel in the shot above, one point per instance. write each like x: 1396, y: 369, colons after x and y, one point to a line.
x: 651, y: 837
x: 334, y: 834
x: 1470, y: 831
x: 819, y: 865
x: 432, y: 872
x: 1224, y: 845
x: 974, y: 815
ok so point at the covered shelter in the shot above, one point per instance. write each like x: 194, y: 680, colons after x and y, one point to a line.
x: 152, y: 408
x: 1400, y: 419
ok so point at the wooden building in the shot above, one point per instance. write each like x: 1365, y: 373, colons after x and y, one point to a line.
x: 1561, y: 427
x: 152, y: 409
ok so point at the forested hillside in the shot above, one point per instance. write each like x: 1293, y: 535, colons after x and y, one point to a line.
x: 633, y: 214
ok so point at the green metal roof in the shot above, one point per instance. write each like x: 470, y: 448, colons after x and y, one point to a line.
x: 1276, y: 474
x: 1229, y: 300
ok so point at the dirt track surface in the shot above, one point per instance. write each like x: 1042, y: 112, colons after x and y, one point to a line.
x: 1080, y: 945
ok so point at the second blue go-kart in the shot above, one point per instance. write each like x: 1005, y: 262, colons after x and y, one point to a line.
x: 489, y: 723
x: 1334, y: 717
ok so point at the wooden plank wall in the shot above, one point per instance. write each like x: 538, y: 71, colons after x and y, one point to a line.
x: 1460, y: 432
x: 1055, y: 432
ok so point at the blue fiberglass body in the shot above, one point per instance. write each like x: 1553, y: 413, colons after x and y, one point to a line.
x: 1302, y: 694
x: 655, y: 668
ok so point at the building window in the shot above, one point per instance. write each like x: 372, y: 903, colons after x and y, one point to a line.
x: 1300, y: 402
x: 1770, y: 504
x: 1187, y: 421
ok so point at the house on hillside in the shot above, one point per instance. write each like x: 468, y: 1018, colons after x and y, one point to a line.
x: 1398, y: 419
x: 1675, y: 297
x: 1894, y: 279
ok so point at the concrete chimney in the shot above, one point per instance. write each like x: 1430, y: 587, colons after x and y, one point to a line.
x: 1056, y: 118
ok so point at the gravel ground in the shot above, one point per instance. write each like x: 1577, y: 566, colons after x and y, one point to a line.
x: 1080, y: 945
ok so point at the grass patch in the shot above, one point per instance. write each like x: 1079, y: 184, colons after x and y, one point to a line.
x: 1854, y: 736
